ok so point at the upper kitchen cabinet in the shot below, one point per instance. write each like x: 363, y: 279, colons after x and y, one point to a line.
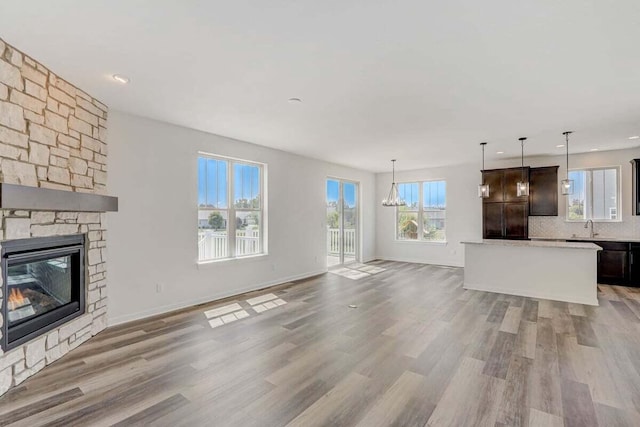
x: 502, y: 184
x: 495, y: 180
x: 511, y: 178
x: 543, y: 191
x: 636, y: 186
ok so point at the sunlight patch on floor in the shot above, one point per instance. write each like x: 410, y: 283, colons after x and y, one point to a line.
x: 355, y: 271
x: 230, y: 313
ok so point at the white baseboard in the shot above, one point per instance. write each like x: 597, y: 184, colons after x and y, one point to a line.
x: 209, y: 298
x: 530, y: 294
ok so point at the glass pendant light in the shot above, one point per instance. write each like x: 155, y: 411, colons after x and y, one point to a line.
x: 483, y: 189
x: 523, y: 185
x: 567, y: 184
x: 393, y: 199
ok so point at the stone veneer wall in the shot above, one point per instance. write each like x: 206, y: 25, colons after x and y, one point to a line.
x: 52, y: 135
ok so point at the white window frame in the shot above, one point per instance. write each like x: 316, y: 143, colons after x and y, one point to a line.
x: 589, y: 196
x: 420, y: 213
x: 231, y: 210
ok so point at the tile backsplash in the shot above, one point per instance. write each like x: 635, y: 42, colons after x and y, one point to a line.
x: 555, y: 226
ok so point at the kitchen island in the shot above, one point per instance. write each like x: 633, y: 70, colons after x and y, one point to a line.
x: 554, y: 270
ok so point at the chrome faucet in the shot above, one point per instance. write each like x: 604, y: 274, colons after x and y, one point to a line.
x: 589, y: 225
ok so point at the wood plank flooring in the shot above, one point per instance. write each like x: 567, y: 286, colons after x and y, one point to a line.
x: 418, y: 351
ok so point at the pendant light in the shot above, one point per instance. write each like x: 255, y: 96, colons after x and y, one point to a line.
x: 523, y: 185
x: 393, y: 199
x: 567, y: 184
x: 483, y: 189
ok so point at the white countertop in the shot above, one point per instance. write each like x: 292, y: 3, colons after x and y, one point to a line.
x: 535, y: 244
x: 590, y: 239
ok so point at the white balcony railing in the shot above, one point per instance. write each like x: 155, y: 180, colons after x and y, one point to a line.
x: 213, y: 244
x: 333, y: 241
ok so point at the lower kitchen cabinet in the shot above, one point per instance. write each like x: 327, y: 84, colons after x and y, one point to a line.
x: 613, y: 263
x: 618, y: 262
x: 634, y: 264
x: 613, y: 267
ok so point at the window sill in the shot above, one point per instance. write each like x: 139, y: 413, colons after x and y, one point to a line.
x: 427, y: 242
x: 249, y: 258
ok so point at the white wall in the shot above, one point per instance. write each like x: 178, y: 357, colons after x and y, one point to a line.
x: 464, y: 208
x: 152, y: 239
x: 464, y: 216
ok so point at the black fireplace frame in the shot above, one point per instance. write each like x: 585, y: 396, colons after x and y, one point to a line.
x: 35, y: 249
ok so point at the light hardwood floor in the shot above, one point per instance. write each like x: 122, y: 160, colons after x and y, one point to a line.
x: 419, y: 350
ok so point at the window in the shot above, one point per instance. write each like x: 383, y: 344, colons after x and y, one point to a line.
x: 596, y: 195
x: 230, y: 203
x: 424, y: 216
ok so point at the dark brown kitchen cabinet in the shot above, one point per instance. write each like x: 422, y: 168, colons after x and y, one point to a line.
x: 516, y: 220
x: 618, y: 262
x: 634, y: 264
x: 495, y: 180
x: 543, y: 191
x: 635, y: 208
x: 504, y: 214
x: 493, y: 220
x: 512, y: 177
x: 613, y: 267
x: 613, y: 262
x: 502, y: 184
x: 505, y: 221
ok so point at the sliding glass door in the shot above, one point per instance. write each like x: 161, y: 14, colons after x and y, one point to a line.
x: 342, y: 222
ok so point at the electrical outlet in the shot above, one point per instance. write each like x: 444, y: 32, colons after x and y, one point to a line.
x: 158, y: 288
x: 273, y: 267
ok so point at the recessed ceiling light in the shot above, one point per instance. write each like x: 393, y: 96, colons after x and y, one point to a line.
x: 294, y: 101
x: 560, y: 146
x: 635, y: 137
x: 121, y: 79
x: 595, y: 149
x: 499, y: 152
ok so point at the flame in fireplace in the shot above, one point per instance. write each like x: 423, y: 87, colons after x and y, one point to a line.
x: 16, y: 299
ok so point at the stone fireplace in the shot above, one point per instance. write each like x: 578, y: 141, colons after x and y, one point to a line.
x: 53, y: 169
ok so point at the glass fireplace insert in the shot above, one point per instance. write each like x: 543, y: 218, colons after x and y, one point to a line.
x: 43, y: 285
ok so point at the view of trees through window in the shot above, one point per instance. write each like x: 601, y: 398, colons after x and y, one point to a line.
x: 424, y: 216
x: 218, y: 180
x: 595, y: 195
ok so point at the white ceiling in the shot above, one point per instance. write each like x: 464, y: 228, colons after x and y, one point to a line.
x: 420, y: 81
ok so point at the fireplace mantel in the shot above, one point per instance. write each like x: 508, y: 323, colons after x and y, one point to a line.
x: 13, y: 196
